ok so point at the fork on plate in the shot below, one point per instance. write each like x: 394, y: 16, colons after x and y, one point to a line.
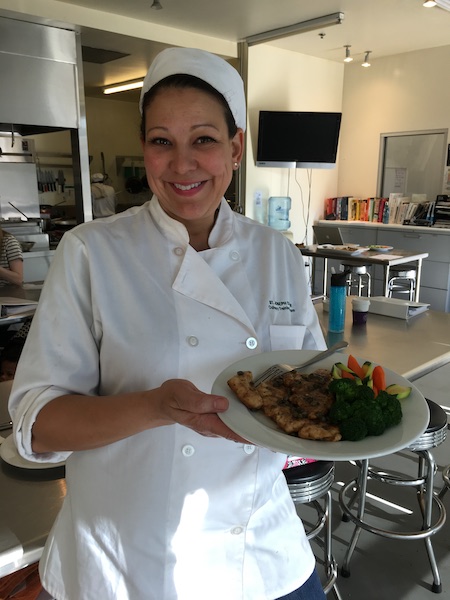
x: 280, y: 369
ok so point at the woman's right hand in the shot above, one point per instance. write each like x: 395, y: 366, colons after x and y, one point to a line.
x: 182, y: 402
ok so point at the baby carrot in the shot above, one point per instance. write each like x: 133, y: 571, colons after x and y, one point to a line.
x: 353, y: 365
x: 379, y: 378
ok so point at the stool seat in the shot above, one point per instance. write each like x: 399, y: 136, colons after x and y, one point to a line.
x: 434, y: 435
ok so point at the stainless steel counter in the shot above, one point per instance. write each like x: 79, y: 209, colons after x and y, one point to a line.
x: 412, y: 348
x: 29, y: 503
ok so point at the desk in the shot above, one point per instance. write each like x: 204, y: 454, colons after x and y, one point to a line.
x: 369, y: 257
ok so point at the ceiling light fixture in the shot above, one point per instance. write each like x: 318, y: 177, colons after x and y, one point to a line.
x: 123, y: 87
x: 156, y: 5
x: 366, y: 62
x: 302, y: 27
x: 429, y: 3
x: 347, y: 58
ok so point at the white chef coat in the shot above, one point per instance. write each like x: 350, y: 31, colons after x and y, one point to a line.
x: 165, y: 514
x: 103, y: 200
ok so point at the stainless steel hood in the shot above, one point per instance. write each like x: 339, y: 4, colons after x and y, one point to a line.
x: 42, y: 91
x: 39, y: 75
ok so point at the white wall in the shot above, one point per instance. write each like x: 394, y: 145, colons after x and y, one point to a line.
x: 405, y: 92
x: 284, y: 80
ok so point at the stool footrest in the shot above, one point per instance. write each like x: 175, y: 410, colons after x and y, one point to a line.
x: 395, y: 535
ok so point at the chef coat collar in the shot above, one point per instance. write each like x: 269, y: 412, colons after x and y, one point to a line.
x: 177, y: 233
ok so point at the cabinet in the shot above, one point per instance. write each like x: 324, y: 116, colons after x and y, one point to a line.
x: 435, y: 282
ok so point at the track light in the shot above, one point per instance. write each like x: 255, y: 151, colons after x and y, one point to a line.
x: 347, y: 58
x: 123, y: 87
x: 156, y: 5
x: 302, y: 27
x: 366, y: 62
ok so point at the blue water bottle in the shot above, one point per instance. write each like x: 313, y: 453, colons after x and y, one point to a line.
x: 338, y: 293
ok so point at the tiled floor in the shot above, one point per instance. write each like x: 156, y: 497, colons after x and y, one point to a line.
x: 386, y: 569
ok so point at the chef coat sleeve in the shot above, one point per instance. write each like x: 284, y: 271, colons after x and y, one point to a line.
x: 60, y: 355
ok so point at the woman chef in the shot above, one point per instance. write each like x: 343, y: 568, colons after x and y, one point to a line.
x: 163, y: 501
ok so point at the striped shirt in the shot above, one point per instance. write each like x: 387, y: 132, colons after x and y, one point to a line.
x: 11, y: 250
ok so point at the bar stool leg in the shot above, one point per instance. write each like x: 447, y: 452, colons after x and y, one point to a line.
x: 361, y: 494
x: 425, y: 496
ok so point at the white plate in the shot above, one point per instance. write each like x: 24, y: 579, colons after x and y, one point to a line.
x: 379, y: 248
x: 346, y: 249
x: 8, y: 453
x: 262, y: 431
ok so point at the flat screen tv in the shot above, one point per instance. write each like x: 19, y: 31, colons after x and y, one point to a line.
x: 307, y: 140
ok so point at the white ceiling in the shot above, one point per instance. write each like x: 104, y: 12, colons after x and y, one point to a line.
x: 384, y: 27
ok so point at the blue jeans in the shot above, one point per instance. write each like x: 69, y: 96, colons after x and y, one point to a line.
x: 310, y: 590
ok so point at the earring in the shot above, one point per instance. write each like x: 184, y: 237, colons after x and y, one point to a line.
x: 236, y: 165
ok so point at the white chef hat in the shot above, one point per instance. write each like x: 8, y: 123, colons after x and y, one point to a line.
x: 97, y: 177
x: 206, y: 66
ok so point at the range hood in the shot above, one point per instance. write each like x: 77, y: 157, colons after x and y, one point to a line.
x: 42, y: 92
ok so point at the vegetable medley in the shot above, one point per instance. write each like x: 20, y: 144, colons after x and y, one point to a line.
x: 364, y: 405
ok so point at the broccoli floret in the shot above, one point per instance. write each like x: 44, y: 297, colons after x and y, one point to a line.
x: 391, y: 408
x: 353, y: 429
x: 372, y: 415
x: 364, y: 394
x: 340, y: 411
x: 344, y: 389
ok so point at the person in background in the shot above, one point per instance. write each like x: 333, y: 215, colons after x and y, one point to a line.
x: 164, y: 501
x: 11, y: 260
x: 103, y: 197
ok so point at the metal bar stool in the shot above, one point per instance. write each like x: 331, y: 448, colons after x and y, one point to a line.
x: 446, y: 478
x: 434, y: 435
x: 311, y: 483
x: 402, y: 280
x: 358, y: 277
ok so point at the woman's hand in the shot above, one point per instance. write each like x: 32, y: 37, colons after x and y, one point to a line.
x: 181, y: 402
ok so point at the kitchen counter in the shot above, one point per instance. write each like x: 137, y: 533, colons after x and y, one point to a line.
x: 412, y: 348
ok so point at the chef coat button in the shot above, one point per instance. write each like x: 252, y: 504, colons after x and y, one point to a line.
x: 179, y: 251
x: 192, y: 340
x: 237, y: 530
x: 251, y: 343
x: 249, y: 448
x: 234, y: 255
x: 188, y: 450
